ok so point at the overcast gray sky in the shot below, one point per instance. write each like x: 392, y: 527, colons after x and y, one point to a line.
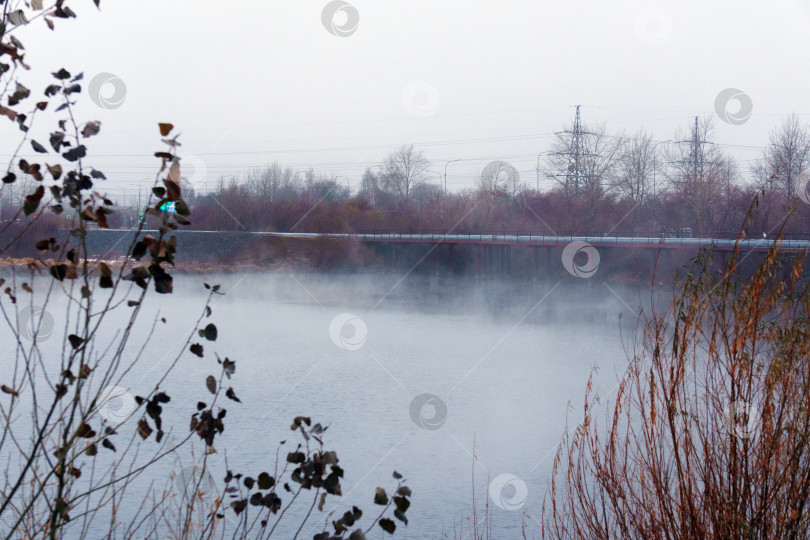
x: 252, y: 82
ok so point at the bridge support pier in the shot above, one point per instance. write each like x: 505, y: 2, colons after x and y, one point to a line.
x: 509, y: 254
x: 485, y: 262
x: 722, y: 258
x: 504, y: 254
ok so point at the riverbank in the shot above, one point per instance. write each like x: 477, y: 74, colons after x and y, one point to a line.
x: 205, y: 252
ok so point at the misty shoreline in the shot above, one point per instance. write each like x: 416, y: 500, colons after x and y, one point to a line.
x: 305, y: 266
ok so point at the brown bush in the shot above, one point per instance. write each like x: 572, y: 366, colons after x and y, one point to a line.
x: 708, y: 435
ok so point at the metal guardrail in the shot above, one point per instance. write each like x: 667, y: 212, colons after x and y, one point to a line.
x: 762, y: 243
x: 529, y: 239
x: 724, y: 235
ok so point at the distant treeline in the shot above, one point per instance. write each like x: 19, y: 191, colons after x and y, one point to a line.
x: 603, y: 184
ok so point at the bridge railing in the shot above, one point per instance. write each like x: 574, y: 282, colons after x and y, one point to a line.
x: 730, y: 235
x: 727, y: 235
x: 602, y: 240
x: 792, y: 242
x: 531, y: 236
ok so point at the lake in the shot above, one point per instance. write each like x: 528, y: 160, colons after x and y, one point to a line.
x: 437, y: 378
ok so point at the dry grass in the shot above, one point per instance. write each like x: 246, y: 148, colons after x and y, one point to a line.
x: 708, y: 434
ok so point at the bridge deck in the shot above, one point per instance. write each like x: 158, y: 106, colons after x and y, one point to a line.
x: 722, y: 244
x: 627, y: 242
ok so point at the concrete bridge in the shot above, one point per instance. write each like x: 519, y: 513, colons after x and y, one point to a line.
x: 497, y: 255
x: 483, y: 255
x: 631, y: 242
x: 721, y: 244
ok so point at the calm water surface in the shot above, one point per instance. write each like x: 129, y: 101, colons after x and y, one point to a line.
x: 507, y: 365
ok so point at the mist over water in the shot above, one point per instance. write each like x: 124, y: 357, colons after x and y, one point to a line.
x: 505, y: 365
x: 509, y: 361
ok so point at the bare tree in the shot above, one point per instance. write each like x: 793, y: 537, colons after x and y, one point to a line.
x: 786, y: 159
x: 699, y: 173
x: 497, y: 182
x: 635, y: 165
x: 369, y: 186
x: 404, y: 170
x: 273, y: 183
x: 265, y: 183
x: 187, y: 188
x: 498, y: 178
x: 327, y: 188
